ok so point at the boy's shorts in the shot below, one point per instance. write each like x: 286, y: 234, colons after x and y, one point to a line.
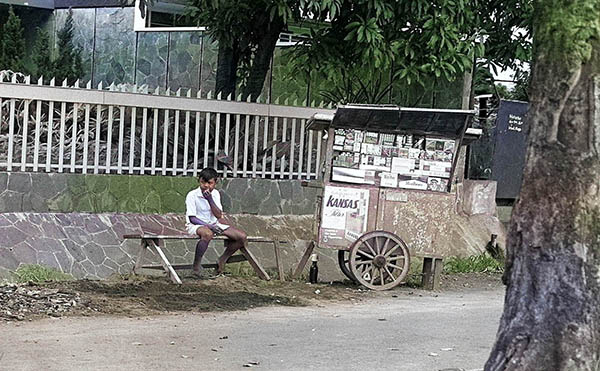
x: 193, y: 228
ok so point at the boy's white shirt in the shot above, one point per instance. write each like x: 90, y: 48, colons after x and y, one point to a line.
x: 196, y: 205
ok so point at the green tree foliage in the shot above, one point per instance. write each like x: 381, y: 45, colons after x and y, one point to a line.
x: 13, y: 44
x: 68, y: 64
x: 414, y: 39
x: 247, y: 32
x: 42, y: 56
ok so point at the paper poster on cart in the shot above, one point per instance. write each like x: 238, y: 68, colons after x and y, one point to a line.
x: 414, y: 183
x: 344, y: 215
x: 389, y: 180
x: 358, y: 176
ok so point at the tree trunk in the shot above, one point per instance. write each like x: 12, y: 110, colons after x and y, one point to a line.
x: 227, y: 64
x: 552, y: 305
x: 262, y: 61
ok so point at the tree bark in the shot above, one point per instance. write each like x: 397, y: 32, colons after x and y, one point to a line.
x: 552, y: 305
x: 227, y: 64
x: 262, y: 60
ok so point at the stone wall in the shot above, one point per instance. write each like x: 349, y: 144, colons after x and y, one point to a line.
x: 75, y: 222
x: 56, y: 192
x: 91, y: 245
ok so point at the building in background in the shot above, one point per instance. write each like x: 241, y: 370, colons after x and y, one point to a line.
x: 162, y: 50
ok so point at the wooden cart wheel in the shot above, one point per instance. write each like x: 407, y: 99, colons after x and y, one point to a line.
x: 344, y: 263
x: 379, y: 260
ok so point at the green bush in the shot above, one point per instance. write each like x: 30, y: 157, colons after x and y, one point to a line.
x: 473, y: 264
x: 40, y: 273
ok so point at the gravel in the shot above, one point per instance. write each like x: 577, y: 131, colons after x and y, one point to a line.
x: 23, y: 301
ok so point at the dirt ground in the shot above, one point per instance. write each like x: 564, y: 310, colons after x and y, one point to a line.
x: 142, y: 295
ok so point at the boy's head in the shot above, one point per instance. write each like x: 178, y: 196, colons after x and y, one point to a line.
x: 208, y: 179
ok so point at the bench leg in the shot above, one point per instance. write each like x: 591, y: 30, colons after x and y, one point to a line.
x: 278, y: 261
x: 254, y: 263
x: 141, y: 256
x: 165, y: 263
x: 304, y: 260
x: 437, y: 272
x: 432, y: 270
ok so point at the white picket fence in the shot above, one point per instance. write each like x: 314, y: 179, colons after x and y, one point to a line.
x: 104, y: 131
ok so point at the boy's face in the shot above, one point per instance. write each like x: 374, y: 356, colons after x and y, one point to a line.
x: 207, y: 185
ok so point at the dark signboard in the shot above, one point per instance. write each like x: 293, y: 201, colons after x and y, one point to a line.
x: 510, y: 148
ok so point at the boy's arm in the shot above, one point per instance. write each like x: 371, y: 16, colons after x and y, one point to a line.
x: 213, y: 227
x: 213, y: 206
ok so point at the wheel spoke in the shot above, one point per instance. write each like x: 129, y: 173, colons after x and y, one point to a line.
x: 387, y: 240
x: 373, y: 275
x: 365, y: 254
x: 391, y: 250
x: 395, y: 266
x: 366, y: 270
x: 377, y: 245
x: 396, y: 258
x: 363, y: 262
x: 370, y: 248
x: 382, y: 278
x: 390, y: 273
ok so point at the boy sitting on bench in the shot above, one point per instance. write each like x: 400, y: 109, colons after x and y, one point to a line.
x: 204, y: 218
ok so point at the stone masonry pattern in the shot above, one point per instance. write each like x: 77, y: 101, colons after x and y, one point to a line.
x: 54, y: 192
x: 92, y: 245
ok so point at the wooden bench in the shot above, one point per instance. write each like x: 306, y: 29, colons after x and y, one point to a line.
x: 152, y: 242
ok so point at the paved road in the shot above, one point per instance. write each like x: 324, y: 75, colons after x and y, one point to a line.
x: 409, y: 332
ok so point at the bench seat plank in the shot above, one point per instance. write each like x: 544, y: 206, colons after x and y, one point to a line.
x: 192, y: 237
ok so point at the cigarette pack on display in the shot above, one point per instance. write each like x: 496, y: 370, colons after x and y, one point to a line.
x: 389, y: 151
x: 435, y: 144
x: 414, y: 153
x: 349, y: 146
x: 339, y: 140
x: 443, y: 156
x: 356, y: 146
x: 429, y: 155
x: 387, y: 139
x: 371, y: 137
x: 346, y: 159
x: 404, y: 152
x: 358, y: 136
x: 371, y: 162
x: 338, y: 147
x: 371, y: 149
x: 405, y: 166
x: 449, y: 146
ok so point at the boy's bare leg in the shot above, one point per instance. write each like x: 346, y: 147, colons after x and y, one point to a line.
x: 205, y: 235
x: 236, y: 240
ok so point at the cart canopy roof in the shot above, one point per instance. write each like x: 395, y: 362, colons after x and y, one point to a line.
x: 445, y: 123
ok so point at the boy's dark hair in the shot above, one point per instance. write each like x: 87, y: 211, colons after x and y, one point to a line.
x: 208, y: 174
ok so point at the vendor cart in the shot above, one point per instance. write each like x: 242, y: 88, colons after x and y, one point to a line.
x: 379, y: 159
